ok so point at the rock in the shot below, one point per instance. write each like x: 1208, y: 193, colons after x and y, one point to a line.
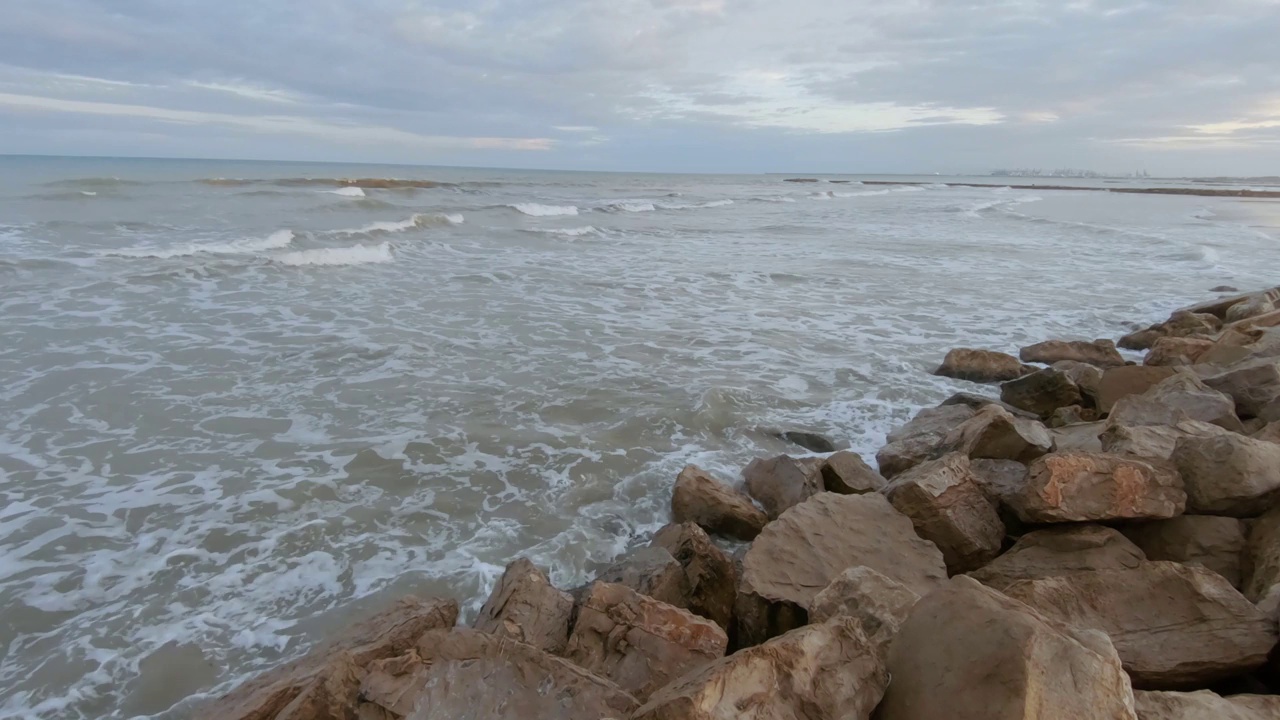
x: 469, y: 674
x: 715, y: 507
x: 1152, y: 442
x: 1188, y: 324
x: 1081, y: 437
x: 525, y: 606
x: 1099, y: 353
x: 977, y: 402
x: 1219, y: 307
x: 1142, y: 339
x: 710, y: 575
x: 1213, y: 542
x: 846, y: 473
x: 1204, y: 705
x: 1171, y: 351
x: 1187, y: 393
x: 1254, y: 386
x: 1142, y: 411
x: 1060, y: 551
x: 800, y: 553
x: 315, y: 676
x: 980, y: 366
x: 919, y: 440
x: 1001, y: 480
x: 1174, y: 626
x: 1235, y: 346
x: 995, y: 434
x: 781, y: 483
x: 1262, y: 564
x: 331, y: 696
x: 812, y: 442
x: 1129, y: 380
x: 639, y: 643
x: 650, y: 571
x: 1228, y: 474
x: 1224, y: 288
x: 1073, y: 415
x: 1084, y: 487
x: 1042, y: 392
x: 969, y: 653
x: 1086, y: 377
x: 880, y: 604
x: 820, y: 672
x: 947, y: 506
x: 1269, y: 433
x: 1250, y: 308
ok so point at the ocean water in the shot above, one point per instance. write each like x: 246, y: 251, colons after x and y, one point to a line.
x: 242, y: 402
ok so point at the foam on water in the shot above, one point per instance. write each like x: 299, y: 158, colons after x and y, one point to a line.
x: 568, y: 232
x: 353, y: 255
x: 274, y: 241
x: 539, y: 210
x: 347, y: 192
x: 420, y: 220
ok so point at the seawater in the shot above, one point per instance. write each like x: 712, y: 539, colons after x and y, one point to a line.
x: 241, y: 403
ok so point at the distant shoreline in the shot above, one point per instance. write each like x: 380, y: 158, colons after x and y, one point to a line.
x: 1133, y: 191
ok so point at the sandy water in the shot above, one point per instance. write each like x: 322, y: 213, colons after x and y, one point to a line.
x: 235, y: 413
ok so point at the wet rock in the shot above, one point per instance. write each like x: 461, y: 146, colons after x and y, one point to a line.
x: 1254, y: 386
x: 919, y: 440
x: 1099, y: 353
x: 639, y: 643
x: 1121, y: 382
x: 826, y: 671
x: 1174, y: 626
x: 1228, y: 474
x: 1262, y: 566
x: 995, y: 434
x: 1204, y: 705
x: 710, y: 576
x: 1060, y: 551
x: 1187, y: 393
x: 977, y: 402
x: 1085, y: 487
x: 1072, y: 415
x: 800, y: 553
x: 781, y: 483
x: 715, y: 507
x: 969, y: 653
x: 1224, y: 288
x: 1216, y: 543
x: 650, y: 571
x: 846, y: 473
x: 948, y: 507
x: 525, y: 606
x: 1142, y: 339
x: 879, y: 603
x: 980, y: 366
x: 812, y: 442
x: 1042, y: 392
x: 1080, y: 437
x: 1177, y: 351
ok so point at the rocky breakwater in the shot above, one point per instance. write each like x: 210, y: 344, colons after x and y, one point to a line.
x: 1100, y: 541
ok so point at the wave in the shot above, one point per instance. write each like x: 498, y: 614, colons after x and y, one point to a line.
x: 99, y: 182
x: 633, y: 206
x: 420, y: 220
x: 538, y: 210
x: 274, y: 241
x: 695, y: 206
x: 354, y: 255
x: 864, y: 193
x: 976, y: 210
x: 909, y: 188
x: 366, y: 183
x: 568, y: 232
x: 347, y: 192
x: 774, y: 199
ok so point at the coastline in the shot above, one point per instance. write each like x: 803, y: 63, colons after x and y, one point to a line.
x: 1198, y: 192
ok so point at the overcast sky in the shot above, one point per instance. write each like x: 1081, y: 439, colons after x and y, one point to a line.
x: 1170, y: 86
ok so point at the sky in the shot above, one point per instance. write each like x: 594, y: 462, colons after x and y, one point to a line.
x: 1173, y: 87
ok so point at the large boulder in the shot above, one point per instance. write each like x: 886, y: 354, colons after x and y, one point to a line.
x: 639, y: 643
x: 1085, y: 487
x: 813, y: 442
x: 1152, y: 442
x: 1043, y: 392
x: 650, y: 571
x: 1085, y: 376
x: 800, y: 553
x: 948, y: 507
x: 1262, y: 564
x: 1213, y: 542
x: 1174, y: 626
x: 1099, y: 353
x: 827, y: 671
x: 1142, y: 411
x: 1187, y: 393
x: 1204, y: 705
x: 969, y: 653
x: 715, y: 507
x: 1078, y: 437
x: 525, y: 606
x: 995, y: 434
x: 977, y: 402
x: 470, y: 674
x: 1269, y: 433
x: 845, y: 472
x: 878, y: 602
x: 981, y: 366
x: 1254, y: 386
x: 711, y: 578
x: 920, y: 439
x: 1119, y: 382
x: 781, y: 483
x: 1071, y: 415
x: 1060, y: 551
x: 1171, y: 351
x: 1228, y: 474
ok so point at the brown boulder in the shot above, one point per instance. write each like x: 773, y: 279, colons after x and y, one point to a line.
x: 1099, y: 353
x: 1228, y: 474
x: 639, y: 643
x: 1079, y: 437
x: 1084, y: 487
x: 1254, y: 386
x: 525, y: 606
x: 1174, y: 626
x: 1142, y: 411
x: 710, y: 576
x: 827, y: 671
x: 981, y: 366
x: 948, y: 507
x: 1213, y: 542
x: 977, y: 402
x: 1085, y: 376
x: 969, y: 653
x: 1142, y: 339
x: 1187, y: 393
x: 1204, y: 705
x: 1269, y: 433
x: 880, y: 604
x: 1060, y: 551
x: 781, y: 483
x: 1262, y: 564
x: 1043, y: 392
x: 715, y: 507
x: 650, y: 571
x: 1153, y: 442
x: 1072, y: 415
x: 1171, y: 351
x: 800, y: 553
x: 919, y: 440
x: 1119, y: 382
x: 846, y: 473
x: 995, y: 434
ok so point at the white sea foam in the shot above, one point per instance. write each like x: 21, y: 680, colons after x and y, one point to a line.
x: 976, y: 210
x: 775, y: 199
x: 88, y: 193
x: 274, y: 241
x: 909, y: 188
x: 421, y: 220
x: 540, y: 210
x: 569, y: 232
x: 354, y: 255
x: 631, y: 206
x: 347, y: 192
x: 864, y: 193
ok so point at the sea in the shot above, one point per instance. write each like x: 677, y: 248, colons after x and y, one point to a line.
x: 242, y: 403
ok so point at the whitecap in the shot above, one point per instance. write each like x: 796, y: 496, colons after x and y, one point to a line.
x: 539, y: 210
x: 274, y: 241
x: 909, y: 188
x: 775, y: 199
x: 88, y: 193
x: 354, y: 255
x: 420, y: 220
x: 864, y: 193
x: 569, y: 232
x: 346, y: 192
x: 633, y: 206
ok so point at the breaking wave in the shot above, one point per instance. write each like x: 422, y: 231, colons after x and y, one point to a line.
x: 347, y: 192
x: 274, y: 241
x: 420, y: 220
x: 538, y: 210
x: 354, y: 255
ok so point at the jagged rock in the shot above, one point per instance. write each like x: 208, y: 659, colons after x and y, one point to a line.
x: 1042, y: 392
x: 820, y: 672
x: 1171, y: 351
x: 781, y: 483
x: 1262, y: 564
x: 880, y: 604
x: 1060, y: 551
x: 948, y: 507
x: 1269, y: 433
x: 1213, y: 542
x: 1250, y: 308
x: 1234, y: 346
x: 525, y: 606
x: 1228, y: 474
x: 1254, y: 386
x: 1153, y: 442
x: 1001, y: 480
x: 1219, y: 307
x: 969, y: 653
x: 312, y: 680
x: 639, y: 643
x: 1072, y: 415
x: 1099, y: 353
x: 919, y: 440
x: 650, y: 571
x: 1187, y: 393
x: 977, y: 402
x: 715, y: 507
x: 981, y: 366
x: 995, y: 434
x: 1204, y: 705
x: 1083, y: 487
x: 331, y: 696
x: 1173, y: 625
x: 1080, y: 437
x: 1085, y: 376
x: 469, y: 674
x: 710, y: 575
x: 801, y: 552
x: 1142, y: 411
x: 846, y: 473
x: 1120, y: 382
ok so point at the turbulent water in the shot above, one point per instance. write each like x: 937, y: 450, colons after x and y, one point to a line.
x: 240, y: 403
